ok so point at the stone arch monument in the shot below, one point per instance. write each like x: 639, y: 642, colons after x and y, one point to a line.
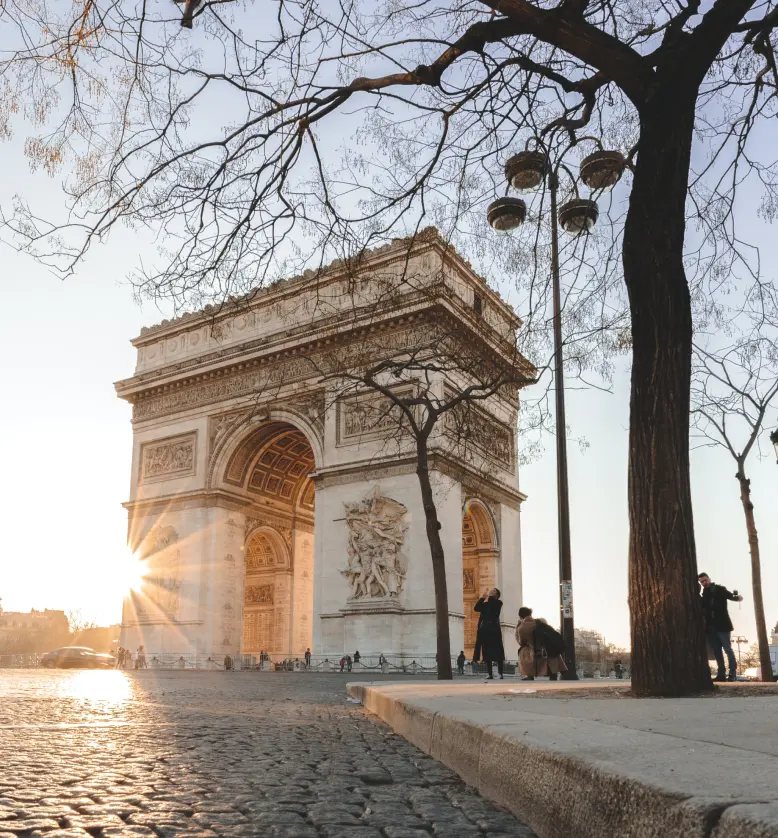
x: 268, y: 508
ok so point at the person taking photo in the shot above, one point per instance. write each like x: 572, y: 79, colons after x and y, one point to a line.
x: 718, y: 626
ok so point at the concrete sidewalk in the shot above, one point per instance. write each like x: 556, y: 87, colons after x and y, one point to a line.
x: 599, y: 765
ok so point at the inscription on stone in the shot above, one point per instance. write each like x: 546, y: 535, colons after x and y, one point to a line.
x: 259, y: 594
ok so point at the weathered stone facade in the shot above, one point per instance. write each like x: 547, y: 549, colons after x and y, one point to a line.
x: 270, y: 510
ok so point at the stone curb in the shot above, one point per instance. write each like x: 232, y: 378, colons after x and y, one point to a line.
x: 560, y: 795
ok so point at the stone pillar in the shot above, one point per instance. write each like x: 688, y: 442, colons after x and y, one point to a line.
x: 221, y: 592
x: 509, y: 575
x: 302, y: 604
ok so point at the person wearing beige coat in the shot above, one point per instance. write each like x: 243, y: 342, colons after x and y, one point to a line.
x: 533, y: 661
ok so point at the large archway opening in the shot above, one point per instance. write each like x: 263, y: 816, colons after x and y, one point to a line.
x: 272, y: 466
x: 479, y: 564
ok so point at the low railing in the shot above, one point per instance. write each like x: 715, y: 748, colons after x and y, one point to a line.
x: 423, y: 665
x: 26, y: 661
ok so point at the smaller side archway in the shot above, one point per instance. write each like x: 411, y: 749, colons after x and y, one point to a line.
x: 266, y: 606
x: 480, y: 554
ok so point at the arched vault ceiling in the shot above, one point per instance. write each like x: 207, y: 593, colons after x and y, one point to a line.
x: 274, y: 461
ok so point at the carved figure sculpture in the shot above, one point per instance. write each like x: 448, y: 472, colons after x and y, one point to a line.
x: 165, y: 580
x: 376, y: 566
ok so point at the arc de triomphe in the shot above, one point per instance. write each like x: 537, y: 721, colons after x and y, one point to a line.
x: 268, y: 509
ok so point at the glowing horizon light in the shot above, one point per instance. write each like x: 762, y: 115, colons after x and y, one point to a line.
x: 109, y: 689
x: 130, y: 572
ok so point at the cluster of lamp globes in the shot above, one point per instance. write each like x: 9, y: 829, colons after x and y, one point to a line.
x: 525, y: 171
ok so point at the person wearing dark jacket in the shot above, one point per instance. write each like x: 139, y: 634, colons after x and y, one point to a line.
x: 718, y: 626
x: 461, y: 663
x: 477, y: 649
x: 489, y: 608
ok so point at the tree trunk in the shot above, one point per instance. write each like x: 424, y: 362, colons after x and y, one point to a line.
x: 668, y: 646
x: 438, y: 562
x: 756, y: 574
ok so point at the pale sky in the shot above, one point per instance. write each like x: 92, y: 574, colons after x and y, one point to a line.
x: 66, y: 442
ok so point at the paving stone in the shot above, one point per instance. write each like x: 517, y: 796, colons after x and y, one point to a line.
x: 406, y: 819
x: 258, y: 755
x: 120, y: 809
x: 289, y: 831
x: 279, y: 818
x: 32, y: 811
x: 338, y: 831
x: 176, y: 831
x: 62, y: 833
x: 454, y: 829
x: 24, y: 825
x: 333, y: 818
x: 154, y: 818
x: 93, y: 821
x: 219, y: 819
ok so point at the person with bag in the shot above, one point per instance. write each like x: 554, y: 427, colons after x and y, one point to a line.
x: 489, y: 607
x: 541, y: 648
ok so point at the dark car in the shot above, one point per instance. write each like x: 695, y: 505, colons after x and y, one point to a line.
x: 76, y: 657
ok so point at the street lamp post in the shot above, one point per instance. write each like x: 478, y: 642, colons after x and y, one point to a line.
x: 526, y: 171
x: 563, y: 493
x: 738, y: 641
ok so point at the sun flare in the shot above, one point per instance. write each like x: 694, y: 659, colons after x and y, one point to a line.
x: 130, y: 572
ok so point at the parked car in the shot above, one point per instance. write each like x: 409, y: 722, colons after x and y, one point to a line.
x: 76, y: 657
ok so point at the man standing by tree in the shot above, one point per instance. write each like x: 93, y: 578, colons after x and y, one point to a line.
x: 718, y: 626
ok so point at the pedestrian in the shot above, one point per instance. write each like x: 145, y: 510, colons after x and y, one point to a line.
x: 718, y: 626
x: 540, y: 647
x: 489, y: 607
x: 618, y: 669
x: 477, y: 649
x: 382, y: 662
x: 356, y: 656
x: 307, y: 658
x: 349, y: 663
x: 461, y: 663
x: 227, y: 663
x: 342, y: 663
x: 141, y: 661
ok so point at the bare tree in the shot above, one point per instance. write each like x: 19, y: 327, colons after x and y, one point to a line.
x: 77, y: 623
x: 734, y: 394
x: 447, y: 397
x: 218, y: 144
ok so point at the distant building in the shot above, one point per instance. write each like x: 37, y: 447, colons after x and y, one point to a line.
x: 23, y: 632
x: 774, y: 648
x: 99, y: 638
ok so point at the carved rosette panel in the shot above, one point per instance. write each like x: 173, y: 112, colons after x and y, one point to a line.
x: 171, y: 457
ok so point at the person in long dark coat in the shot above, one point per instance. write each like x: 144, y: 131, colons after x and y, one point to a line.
x: 477, y: 649
x: 489, y: 607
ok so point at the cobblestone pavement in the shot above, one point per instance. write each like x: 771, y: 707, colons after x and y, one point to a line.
x: 197, y: 754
